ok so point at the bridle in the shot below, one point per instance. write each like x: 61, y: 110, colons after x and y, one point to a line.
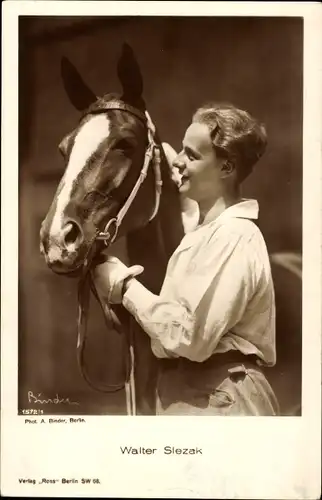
x: 108, y: 236
x: 152, y: 154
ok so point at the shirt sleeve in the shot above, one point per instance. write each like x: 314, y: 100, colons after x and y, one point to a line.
x: 212, y: 298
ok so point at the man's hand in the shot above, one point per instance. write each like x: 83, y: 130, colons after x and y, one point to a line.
x: 109, y: 278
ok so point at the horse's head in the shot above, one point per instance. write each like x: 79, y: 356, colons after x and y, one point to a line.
x: 104, y: 155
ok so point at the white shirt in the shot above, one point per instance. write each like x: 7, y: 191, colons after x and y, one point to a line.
x: 217, y: 294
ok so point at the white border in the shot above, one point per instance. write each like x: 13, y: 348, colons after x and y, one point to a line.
x: 243, y: 458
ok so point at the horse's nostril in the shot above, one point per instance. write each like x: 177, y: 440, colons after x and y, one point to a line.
x: 72, y: 234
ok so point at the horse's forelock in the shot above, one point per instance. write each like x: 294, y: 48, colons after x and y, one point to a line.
x: 98, y: 105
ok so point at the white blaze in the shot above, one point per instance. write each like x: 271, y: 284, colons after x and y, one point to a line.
x: 86, y: 143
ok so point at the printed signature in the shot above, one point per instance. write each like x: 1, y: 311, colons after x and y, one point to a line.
x: 40, y: 399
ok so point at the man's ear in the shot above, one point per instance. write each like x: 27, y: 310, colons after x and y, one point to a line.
x: 228, y: 167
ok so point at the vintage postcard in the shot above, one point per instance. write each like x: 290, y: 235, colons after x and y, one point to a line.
x: 161, y: 249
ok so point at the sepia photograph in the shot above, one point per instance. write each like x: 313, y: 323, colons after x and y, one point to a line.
x: 167, y: 150
x: 161, y: 250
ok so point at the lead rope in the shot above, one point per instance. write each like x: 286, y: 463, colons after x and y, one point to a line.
x: 130, y: 383
x: 85, y: 287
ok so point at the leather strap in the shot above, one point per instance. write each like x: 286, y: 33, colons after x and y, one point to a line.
x: 101, y: 105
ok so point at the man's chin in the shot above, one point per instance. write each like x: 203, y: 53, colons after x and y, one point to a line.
x: 184, y: 188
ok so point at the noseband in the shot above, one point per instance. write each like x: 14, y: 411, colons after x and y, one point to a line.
x: 108, y: 236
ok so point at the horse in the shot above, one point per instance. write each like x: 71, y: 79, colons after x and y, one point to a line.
x: 117, y: 183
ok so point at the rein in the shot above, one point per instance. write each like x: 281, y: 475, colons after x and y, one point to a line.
x: 86, y: 285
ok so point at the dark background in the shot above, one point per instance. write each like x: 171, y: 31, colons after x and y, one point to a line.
x: 255, y: 63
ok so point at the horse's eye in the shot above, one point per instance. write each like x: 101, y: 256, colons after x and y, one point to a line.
x: 124, y: 145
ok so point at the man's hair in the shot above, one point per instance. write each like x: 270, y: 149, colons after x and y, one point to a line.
x: 235, y: 134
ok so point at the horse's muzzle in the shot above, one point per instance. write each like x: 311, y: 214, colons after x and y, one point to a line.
x: 64, y: 248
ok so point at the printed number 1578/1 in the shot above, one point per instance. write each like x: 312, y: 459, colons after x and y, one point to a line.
x: 30, y: 411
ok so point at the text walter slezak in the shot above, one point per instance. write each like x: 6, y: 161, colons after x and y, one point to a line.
x: 166, y: 450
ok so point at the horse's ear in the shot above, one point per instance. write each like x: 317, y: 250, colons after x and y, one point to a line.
x: 80, y: 95
x: 129, y: 74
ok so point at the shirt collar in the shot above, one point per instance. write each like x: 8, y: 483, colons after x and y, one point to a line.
x: 245, y: 209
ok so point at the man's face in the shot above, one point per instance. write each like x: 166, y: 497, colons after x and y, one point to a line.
x: 198, y: 165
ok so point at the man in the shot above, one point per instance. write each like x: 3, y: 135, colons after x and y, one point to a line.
x: 213, y: 324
